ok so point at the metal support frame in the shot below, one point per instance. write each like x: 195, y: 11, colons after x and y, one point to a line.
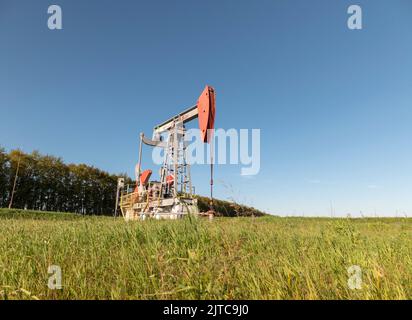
x: 175, y: 158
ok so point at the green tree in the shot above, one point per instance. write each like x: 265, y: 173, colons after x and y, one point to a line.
x: 4, y: 178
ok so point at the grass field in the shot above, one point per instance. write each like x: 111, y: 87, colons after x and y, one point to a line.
x: 228, y: 258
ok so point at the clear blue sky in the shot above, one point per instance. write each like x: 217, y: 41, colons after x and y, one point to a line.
x: 334, y: 105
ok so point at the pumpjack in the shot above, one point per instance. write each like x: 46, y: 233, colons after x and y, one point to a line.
x: 172, y: 197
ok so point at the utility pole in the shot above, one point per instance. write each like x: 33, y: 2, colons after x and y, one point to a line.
x: 14, y: 184
x: 211, y: 205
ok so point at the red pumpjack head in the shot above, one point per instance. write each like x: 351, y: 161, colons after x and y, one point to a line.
x: 206, y: 110
x: 144, y: 178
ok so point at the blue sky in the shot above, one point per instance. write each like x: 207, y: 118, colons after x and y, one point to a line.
x: 334, y: 105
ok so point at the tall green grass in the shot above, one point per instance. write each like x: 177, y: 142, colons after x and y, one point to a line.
x: 227, y: 258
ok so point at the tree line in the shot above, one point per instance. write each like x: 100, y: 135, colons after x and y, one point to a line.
x: 46, y: 183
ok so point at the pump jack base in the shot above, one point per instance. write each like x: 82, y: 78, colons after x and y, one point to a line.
x: 168, y: 209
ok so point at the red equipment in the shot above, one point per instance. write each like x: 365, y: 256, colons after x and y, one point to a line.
x: 206, y: 113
